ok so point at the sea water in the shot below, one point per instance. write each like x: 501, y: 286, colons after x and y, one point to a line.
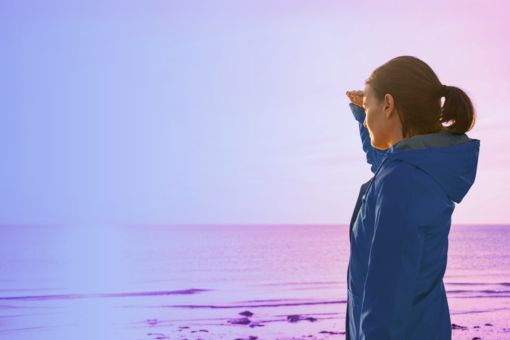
x: 193, y: 281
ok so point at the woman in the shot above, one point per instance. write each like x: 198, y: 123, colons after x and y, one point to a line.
x: 400, y: 225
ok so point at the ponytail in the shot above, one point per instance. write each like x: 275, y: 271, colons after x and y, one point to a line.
x: 457, y: 109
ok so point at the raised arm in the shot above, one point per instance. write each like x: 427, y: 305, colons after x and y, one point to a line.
x: 374, y: 156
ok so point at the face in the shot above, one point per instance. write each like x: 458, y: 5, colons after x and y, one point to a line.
x: 382, y: 120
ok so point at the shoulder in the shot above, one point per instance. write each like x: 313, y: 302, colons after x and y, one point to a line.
x: 402, y: 178
x: 394, y: 172
x: 403, y: 184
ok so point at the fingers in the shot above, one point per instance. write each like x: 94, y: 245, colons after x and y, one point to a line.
x: 355, y: 93
x: 356, y: 97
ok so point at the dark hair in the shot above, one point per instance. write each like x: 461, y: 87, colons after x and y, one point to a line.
x: 417, y: 94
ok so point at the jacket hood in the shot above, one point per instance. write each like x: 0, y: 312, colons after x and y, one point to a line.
x: 450, y: 158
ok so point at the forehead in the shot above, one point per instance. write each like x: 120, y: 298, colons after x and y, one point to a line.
x: 366, y: 92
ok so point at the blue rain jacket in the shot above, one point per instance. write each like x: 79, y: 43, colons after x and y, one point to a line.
x: 399, y: 235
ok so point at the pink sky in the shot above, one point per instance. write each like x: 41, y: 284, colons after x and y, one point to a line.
x: 226, y: 113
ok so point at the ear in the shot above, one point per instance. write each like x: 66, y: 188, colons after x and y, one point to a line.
x: 389, y: 106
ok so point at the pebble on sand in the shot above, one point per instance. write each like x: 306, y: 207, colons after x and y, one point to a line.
x: 246, y: 313
x: 297, y: 317
x: 241, y: 321
x: 455, y: 326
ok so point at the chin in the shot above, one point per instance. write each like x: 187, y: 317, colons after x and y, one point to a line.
x: 376, y: 146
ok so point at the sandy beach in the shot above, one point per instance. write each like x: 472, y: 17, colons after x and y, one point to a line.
x: 261, y: 282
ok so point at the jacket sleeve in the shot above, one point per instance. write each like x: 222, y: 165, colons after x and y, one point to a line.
x: 394, y: 260
x: 374, y: 156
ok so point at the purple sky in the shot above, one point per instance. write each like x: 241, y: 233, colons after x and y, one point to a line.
x: 232, y: 112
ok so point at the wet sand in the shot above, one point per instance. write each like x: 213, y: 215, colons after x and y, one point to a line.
x: 261, y: 282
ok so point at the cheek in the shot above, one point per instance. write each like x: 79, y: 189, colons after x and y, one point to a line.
x: 369, y: 121
x: 372, y: 121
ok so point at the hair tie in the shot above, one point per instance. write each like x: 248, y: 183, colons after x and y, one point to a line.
x: 443, y: 91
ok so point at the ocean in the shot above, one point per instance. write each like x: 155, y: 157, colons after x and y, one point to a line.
x: 219, y: 281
